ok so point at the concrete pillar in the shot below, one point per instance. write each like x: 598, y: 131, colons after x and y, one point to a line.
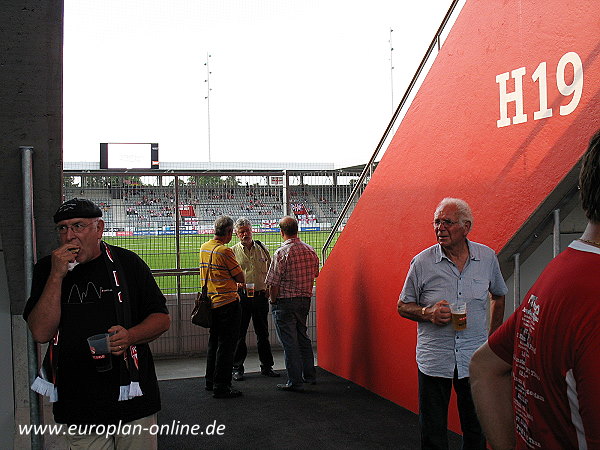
x: 31, y: 115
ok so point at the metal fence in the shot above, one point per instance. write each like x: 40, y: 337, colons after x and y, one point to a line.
x: 165, y: 217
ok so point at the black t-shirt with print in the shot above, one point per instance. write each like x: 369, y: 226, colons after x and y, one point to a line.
x: 87, y: 308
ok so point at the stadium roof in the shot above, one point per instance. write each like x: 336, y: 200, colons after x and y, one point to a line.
x: 223, y: 166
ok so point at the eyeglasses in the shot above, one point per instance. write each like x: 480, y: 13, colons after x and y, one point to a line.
x: 446, y: 222
x: 76, y: 227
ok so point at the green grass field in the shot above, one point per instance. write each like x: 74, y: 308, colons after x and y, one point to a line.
x: 160, y: 252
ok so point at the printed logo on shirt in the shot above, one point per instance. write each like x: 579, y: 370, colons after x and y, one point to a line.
x: 91, y: 294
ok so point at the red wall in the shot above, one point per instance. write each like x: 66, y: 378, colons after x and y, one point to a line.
x: 450, y: 144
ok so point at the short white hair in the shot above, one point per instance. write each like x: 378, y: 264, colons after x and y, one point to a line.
x: 462, y: 207
x: 242, y: 222
x: 223, y: 226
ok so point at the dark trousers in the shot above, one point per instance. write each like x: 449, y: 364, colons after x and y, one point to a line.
x: 257, y: 309
x: 221, y: 345
x: 434, y: 397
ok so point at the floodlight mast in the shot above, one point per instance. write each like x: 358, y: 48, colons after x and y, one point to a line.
x: 392, y: 69
x: 207, y: 98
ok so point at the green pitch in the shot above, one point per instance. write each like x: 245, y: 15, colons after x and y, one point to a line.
x: 160, y: 252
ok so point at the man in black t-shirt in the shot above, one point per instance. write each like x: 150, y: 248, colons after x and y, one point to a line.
x: 86, y: 287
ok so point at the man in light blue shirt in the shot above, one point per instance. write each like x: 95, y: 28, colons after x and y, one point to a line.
x: 453, y: 270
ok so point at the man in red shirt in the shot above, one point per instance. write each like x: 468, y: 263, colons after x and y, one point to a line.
x: 535, y: 382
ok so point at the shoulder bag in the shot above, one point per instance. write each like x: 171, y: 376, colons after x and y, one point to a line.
x: 265, y: 251
x: 202, y: 312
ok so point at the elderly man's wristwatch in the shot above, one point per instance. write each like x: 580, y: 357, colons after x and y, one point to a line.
x: 423, y: 310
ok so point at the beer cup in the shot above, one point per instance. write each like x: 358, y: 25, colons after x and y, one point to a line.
x: 459, y: 315
x: 100, y: 349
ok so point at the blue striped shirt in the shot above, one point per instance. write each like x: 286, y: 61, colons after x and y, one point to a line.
x: 433, y: 277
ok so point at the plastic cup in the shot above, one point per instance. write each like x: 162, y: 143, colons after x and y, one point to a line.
x: 100, y: 348
x: 459, y: 315
x: 250, y: 289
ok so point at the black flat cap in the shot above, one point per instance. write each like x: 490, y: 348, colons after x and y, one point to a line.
x: 76, y: 208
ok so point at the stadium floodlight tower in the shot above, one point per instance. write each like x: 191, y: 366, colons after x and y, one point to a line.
x: 207, y: 98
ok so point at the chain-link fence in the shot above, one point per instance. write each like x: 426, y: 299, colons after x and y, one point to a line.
x: 165, y: 218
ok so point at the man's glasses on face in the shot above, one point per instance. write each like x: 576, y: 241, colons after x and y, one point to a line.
x: 77, y: 227
x: 446, y: 222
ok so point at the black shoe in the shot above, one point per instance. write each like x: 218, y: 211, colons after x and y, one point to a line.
x: 231, y: 393
x: 290, y: 387
x: 268, y: 372
x: 238, y: 376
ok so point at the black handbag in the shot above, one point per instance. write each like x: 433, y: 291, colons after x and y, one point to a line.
x: 202, y: 312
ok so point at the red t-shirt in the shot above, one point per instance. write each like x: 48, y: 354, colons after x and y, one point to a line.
x: 553, y: 344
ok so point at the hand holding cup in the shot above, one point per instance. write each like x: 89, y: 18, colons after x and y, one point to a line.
x: 119, y: 339
x: 441, y: 313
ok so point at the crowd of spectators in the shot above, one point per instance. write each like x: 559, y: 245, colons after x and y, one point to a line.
x: 155, y: 206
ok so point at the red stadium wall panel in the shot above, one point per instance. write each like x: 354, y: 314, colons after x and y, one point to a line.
x: 504, y: 113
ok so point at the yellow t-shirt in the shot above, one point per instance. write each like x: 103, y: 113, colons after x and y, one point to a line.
x: 222, y: 288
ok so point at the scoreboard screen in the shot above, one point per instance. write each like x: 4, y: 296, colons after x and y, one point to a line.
x: 124, y: 156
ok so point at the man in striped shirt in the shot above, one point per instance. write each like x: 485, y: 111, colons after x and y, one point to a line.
x: 218, y: 264
x: 290, y: 278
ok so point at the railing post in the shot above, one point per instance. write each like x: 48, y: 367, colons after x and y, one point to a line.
x: 286, y: 193
x: 29, y: 258
x: 517, y: 281
x: 178, y: 266
x: 556, y: 233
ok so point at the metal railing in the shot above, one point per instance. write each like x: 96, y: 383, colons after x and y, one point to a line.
x: 543, y: 225
x: 370, y: 166
x: 164, y: 217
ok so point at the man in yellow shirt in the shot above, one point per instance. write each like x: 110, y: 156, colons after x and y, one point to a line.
x: 219, y: 266
x: 254, y: 259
